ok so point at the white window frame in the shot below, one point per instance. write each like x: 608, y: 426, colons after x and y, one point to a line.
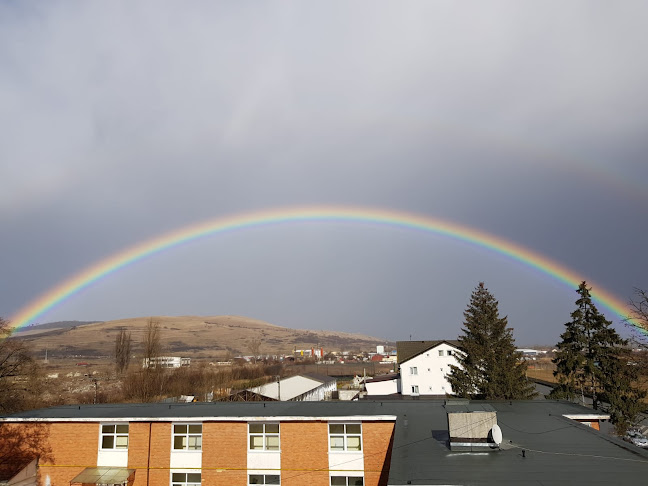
x: 347, y: 478
x: 187, y: 435
x: 345, y: 436
x: 441, y: 352
x: 449, y: 352
x: 186, y: 481
x: 265, y: 435
x: 115, y: 435
x: 415, y: 389
x: 413, y: 370
x: 264, y: 478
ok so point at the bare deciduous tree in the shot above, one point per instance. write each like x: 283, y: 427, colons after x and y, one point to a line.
x: 254, y: 345
x: 148, y: 384
x: 639, y: 314
x: 17, y: 368
x: 152, y: 344
x: 122, y: 350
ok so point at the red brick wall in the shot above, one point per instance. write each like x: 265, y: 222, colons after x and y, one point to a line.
x: 377, y: 442
x: 304, y: 446
x: 224, y: 453
x: 160, y: 455
x: 138, y: 452
x: 304, y: 453
x: 74, y: 447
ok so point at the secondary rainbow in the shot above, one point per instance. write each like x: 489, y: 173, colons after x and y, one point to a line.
x: 330, y: 214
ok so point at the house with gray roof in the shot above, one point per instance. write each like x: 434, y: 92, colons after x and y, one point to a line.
x: 424, y: 366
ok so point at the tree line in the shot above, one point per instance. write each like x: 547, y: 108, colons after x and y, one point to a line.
x: 591, y: 358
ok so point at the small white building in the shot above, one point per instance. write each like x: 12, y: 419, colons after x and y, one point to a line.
x: 166, y: 362
x: 306, y: 387
x: 424, y: 366
x: 383, y: 385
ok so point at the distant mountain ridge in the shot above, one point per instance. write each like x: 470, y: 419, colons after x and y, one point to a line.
x: 54, y: 325
x: 193, y: 336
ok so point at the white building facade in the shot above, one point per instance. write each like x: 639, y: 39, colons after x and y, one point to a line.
x: 166, y: 362
x: 426, y: 371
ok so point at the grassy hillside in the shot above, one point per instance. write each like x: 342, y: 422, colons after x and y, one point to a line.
x: 193, y: 336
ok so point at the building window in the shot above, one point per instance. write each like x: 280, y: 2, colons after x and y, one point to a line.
x: 264, y: 479
x: 415, y: 389
x: 347, y: 481
x: 264, y: 437
x: 187, y: 437
x: 185, y: 479
x: 114, y: 436
x: 413, y: 370
x: 449, y: 352
x: 345, y: 437
x: 440, y: 352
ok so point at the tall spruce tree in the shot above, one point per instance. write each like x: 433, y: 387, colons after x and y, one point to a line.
x: 591, y: 359
x: 489, y: 366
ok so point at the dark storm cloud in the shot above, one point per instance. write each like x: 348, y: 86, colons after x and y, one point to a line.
x: 123, y: 121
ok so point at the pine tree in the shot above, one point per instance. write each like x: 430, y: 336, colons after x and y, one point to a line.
x: 489, y: 366
x: 591, y: 358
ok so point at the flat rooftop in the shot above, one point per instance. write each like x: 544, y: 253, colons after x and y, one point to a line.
x: 558, y: 451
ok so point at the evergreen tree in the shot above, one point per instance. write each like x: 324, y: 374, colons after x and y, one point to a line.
x: 489, y: 366
x: 591, y: 358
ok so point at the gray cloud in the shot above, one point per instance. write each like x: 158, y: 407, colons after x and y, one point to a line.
x: 121, y: 122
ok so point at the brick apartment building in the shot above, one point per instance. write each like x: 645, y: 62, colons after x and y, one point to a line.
x: 376, y: 443
x: 215, y: 444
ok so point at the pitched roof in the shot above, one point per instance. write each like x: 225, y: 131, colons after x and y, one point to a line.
x: 409, y: 349
x: 292, y: 387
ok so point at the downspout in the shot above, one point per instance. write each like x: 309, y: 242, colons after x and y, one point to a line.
x: 148, y: 459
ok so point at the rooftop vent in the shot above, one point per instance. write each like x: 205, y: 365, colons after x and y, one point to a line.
x: 473, y: 431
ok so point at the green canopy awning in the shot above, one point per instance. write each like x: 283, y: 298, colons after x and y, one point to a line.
x: 104, y: 476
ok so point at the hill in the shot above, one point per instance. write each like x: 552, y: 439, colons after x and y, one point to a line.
x: 193, y: 336
x: 39, y: 328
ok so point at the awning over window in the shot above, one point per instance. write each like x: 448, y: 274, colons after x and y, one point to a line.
x: 105, y: 476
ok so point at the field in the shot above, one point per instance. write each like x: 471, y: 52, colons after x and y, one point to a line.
x: 541, y: 369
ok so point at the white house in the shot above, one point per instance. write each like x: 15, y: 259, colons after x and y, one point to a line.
x: 424, y: 366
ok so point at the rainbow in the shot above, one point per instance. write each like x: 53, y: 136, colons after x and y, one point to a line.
x: 97, y: 271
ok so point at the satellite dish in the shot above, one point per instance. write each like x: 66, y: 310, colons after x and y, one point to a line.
x: 496, y: 433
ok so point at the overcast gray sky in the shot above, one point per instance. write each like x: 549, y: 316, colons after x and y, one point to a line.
x: 121, y: 121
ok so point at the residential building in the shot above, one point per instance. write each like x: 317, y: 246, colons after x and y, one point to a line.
x: 424, y: 366
x: 368, y: 443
